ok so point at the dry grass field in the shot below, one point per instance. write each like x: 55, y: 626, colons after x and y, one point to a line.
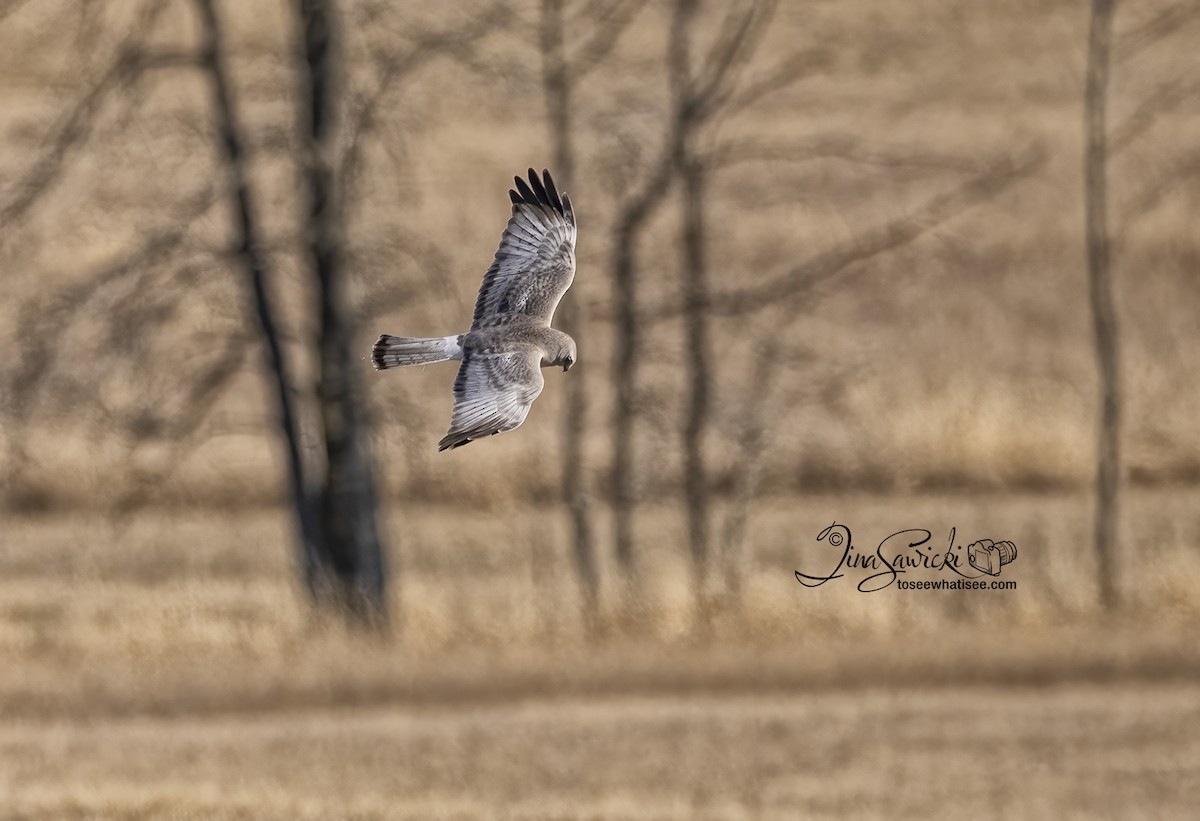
x: 1065, y: 752
x: 170, y: 669
x: 158, y: 659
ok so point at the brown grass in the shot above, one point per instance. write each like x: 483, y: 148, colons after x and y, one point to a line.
x: 170, y: 669
x: 1068, y: 752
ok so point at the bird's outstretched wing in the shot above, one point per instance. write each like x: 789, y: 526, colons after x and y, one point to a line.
x: 492, y: 393
x: 535, y: 262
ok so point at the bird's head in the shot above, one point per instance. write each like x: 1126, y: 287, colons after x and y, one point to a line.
x: 558, y: 349
x: 568, y: 355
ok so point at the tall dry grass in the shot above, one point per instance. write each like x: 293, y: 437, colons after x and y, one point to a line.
x: 185, y: 612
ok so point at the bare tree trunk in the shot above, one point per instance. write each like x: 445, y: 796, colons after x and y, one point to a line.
x: 694, y: 286
x: 353, y: 574
x: 630, y: 224
x: 699, y: 370
x: 694, y: 100
x: 249, y: 254
x: 751, y: 439
x: 624, y: 387
x: 1100, y: 291
x: 631, y: 221
x: 557, y: 82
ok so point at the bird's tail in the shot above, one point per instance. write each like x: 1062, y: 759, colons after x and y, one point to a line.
x: 394, y: 351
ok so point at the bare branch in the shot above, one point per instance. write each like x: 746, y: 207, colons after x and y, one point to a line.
x: 42, y: 321
x: 1144, y: 117
x: 179, y: 429
x: 427, y: 258
x: 735, y: 100
x: 455, y: 43
x: 1182, y: 172
x: 894, y: 234
x: 78, y: 123
x: 1156, y: 29
x: 154, y: 59
x: 832, y: 146
x: 610, y: 23
x: 759, y: 411
x: 740, y: 37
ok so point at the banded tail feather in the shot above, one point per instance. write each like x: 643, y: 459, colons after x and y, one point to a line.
x: 394, y: 351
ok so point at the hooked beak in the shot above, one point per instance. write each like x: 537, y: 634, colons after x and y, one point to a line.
x: 566, y: 366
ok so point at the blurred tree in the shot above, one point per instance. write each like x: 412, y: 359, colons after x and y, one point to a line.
x: 103, y: 303
x: 351, y: 573
x: 563, y: 68
x: 1100, y: 292
x: 702, y: 89
x: 162, y: 420
x: 341, y: 548
x: 794, y: 294
x: 698, y: 93
x: 249, y: 244
x: 694, y: 289
x: 633, y: 214
x: 1102, y: 144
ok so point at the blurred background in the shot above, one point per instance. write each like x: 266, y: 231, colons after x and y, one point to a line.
x: 920, y: 265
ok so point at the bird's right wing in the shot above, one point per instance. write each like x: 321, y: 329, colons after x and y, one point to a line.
x: 535, y: 262
x: 492, y: 393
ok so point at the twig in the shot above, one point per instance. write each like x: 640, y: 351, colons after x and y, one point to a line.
x: 78, y: 123
x: 1164, y: 24
x: 893, y: 234
x: 839, y: 147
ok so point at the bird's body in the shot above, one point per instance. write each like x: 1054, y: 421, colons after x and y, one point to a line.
x: 510, y: 338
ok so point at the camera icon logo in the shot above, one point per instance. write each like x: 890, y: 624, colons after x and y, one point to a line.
x: 988, y: 557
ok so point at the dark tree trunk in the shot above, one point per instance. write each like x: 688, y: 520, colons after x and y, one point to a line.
x: 557, y: 83
x: 1100, y: 291
x: 630, y: 224
x: 699, y: 371
x: 624, y: 387
x: 250, y: 257
x: 352, y: 575
x: 631, y: 221
x: 694, y: 287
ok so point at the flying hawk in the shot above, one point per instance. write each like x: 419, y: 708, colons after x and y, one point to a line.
x: 510, y: 338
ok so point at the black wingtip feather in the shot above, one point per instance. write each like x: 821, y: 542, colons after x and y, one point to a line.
x: 538, y: 191
x: 526, y: 194
x: 555, y: 199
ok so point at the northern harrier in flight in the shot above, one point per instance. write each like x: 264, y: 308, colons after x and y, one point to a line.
x: 510, y: 337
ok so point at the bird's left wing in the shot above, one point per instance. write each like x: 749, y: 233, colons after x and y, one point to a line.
x: 535, y: 262
x: 493, y: 393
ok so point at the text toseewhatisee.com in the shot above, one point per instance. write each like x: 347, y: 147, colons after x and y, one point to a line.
x: 956, y: 584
